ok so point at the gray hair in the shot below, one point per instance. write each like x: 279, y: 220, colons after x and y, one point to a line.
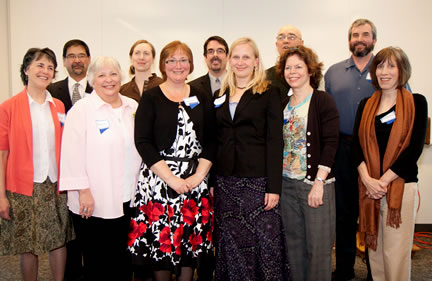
x: 99, y: 63
x: 359, y: 22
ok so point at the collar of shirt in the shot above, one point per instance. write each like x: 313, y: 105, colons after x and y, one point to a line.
x: 98, y: 102
x: 213, y: 79
x: 350, y: 63
x: 81, y: 88
x: 48, y: 98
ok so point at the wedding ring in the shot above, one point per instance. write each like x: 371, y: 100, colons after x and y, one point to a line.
x: 85, y: 210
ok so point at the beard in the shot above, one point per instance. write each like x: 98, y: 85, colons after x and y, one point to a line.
x: 216, y: 68
x: 361, y: 53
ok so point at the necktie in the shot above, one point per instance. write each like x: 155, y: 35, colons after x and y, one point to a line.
x: 75, y: 95
x: 217, y: 85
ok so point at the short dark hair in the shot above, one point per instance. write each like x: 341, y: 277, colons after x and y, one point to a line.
x: 35, y: 54
x: 218, y: 39
x: 153, y: 51
x: 169, y: 50
x: 310, y: 59
x: 75, y: 42
x: 402, y: 63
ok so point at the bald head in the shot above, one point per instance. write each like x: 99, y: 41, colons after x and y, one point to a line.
x: 287, y: 37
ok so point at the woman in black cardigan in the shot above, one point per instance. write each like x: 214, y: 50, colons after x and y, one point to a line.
x: 311, y: 126
x: 249, y: 239
x: 172, y: 227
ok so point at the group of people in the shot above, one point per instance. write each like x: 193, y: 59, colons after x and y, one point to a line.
x: 242, y: 174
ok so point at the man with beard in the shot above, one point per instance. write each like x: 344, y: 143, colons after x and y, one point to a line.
x: 215, y: 56
x: 349, y: 82
x: 287, y: 37
x: 76, y: 59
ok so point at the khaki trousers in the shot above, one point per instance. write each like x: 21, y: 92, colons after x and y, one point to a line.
x: 392, y: 259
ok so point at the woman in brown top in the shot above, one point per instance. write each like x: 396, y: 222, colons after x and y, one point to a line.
x: 142, y: 54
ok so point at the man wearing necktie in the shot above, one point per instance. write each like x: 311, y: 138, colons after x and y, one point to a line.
x: 76, y: 59
x: 215, y: 56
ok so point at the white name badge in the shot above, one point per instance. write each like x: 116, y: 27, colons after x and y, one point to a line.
x: 368, y: 77
x: 191, y: 101
x: 61, y: 117
x: 219, y: 101
x: 287, y: 115
x: 102, y: 125
x: 389, y: 118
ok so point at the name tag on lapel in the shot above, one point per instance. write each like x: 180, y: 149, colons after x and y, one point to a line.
x: 61, y: 118
x: 219, y: 101
x: 191, y: 101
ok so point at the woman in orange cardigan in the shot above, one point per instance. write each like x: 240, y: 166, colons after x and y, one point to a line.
x: 34, y: 216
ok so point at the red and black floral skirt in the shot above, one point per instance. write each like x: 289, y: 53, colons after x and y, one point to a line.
x: 169, y: 230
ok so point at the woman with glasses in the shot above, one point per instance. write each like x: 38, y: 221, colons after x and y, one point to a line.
x: 249, y: 237
x: 141, y: 54
x: 172, y: 227
x: 33, y: 215
x: 310, y: 134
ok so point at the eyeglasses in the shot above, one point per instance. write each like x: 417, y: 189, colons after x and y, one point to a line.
x: 290, y: 37
x: 182, y: 61
x: 74, y: 56
x: 219, y: 51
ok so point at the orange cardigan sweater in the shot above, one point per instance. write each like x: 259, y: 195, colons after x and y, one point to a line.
x: 16, y: 136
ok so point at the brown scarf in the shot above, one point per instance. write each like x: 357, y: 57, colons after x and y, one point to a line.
x: 399, y: 139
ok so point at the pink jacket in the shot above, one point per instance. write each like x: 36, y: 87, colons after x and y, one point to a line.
x: 93, y: 155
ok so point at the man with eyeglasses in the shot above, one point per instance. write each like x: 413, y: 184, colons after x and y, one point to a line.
x: 349, y: 82
x: 215, y: 56
x: 76, y: 59
x: 287, y: 37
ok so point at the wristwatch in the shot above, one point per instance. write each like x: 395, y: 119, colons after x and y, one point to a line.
x: 320, y: 179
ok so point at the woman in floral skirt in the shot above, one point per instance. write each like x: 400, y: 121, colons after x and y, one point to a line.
x: 172, y: 226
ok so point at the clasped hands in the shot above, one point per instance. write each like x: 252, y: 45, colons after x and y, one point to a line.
x: 375, y: 188
x: 182, y: 186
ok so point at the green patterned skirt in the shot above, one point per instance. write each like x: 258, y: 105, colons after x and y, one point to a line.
x: 38, y: 224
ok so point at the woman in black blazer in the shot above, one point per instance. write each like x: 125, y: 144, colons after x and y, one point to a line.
x: 249, y: 238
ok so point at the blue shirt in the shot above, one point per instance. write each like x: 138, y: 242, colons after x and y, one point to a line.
x: 348, y: 86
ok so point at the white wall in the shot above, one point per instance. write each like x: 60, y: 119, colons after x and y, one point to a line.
x: 5, y: 91
x: 110, y: 27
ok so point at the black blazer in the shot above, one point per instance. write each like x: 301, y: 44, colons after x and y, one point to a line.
x: 60, y: 90
x: 203, y: 85
x: 251, y: 145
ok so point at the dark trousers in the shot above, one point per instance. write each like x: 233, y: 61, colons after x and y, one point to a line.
x: 74, y: 270
x: 104, y: 246
x: 347, y: 209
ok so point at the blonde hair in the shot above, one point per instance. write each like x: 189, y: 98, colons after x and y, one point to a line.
x: 258, y: 83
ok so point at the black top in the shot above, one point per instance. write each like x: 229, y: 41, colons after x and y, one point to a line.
x: 406, y: 164
x: 156, y: 124
x: 251, y: 145
x: 60, y: 90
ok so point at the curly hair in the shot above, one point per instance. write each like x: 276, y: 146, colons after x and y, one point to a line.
x: 310, y: 59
